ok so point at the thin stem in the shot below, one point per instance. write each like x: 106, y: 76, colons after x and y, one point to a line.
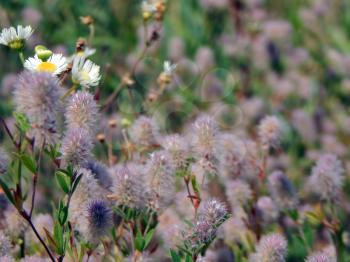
x: 27, y: 217
x: 9, y: 132
x: 69, y: 91
x: 35, y: 178
x: 113, y: 96
x: 21, y: 56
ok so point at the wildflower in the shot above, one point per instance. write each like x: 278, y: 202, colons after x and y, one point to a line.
x: 76, y: 146
x: 238, y: 192
x: 148, y: 9
x: 282, y: 190
x: 15, y: 39
x: 211, y: 216
x: 85, y: 72
x: 5, y: 244
x: 159, y: 180
x: 320, y: 257
x: 271, y: 248
x: 87, y: 190
x: 96, y: 220
x: 100, y: 172
x: 35, y: 258
x: 144, y: 132
x: 55, y: 64
x: 231, y: 155
x: 204, y: 137
x: 128, y: 186
x: 4, y: 161
x: 165, y: 77
x: 15, y: 225
x: 82, y: 112
x: 327, y: 177
x: 267, y: 209
x: 6, y: 258
x: 178, y: 149
x: 270, y: 131
x: 37, y: 95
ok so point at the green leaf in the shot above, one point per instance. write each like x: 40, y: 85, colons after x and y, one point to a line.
x: 195, y: 185
x: 174, y: 256
x: 63, y: 215
x: 76, y: 183
x: 7, y: 191
x: 58, y: 237
x: 62, y: 181
x: 22, y: 121
x: 139, y: 241
x: 29, y: 163
x: 149, y: 237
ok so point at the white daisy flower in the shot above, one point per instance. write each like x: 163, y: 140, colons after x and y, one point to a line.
x: 55, y: 64
x: 148, y: 7
x: 85, y: 72
x: 169, y: 68
x: 15, y: 39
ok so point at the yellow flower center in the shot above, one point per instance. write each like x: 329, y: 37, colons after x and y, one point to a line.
x: 46, y: 67
x: 16, y: 44
x: 85, y: 75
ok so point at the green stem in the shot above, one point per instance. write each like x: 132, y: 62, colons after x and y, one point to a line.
x: 69, y: 91
x: 21, y: 56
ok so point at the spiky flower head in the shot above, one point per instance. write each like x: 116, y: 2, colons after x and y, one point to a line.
x: 204, y: 136
x: 238, y: 193
x: 100, y: 172
x: 327, y: 177
x: 87, y: 190
x: 96, y: 220
x: 267, y: 209
x: 271, y: 248
x: 282, y: 190
x: 85, y: 72
x: 4, y: 161
x: 211, y: 216
x: 320, y: 257
x: 231, y: 155
x: 7, y: 258
x: 178, y: 149
x: 128, y: 187
x: 5, y: 245
x: 15, y: 39
x: 144, y: 132
x: 82, y: 112
x: 37, y: 96
x: 76, y: 146
x: 270, y: 132
x: 159, y: 178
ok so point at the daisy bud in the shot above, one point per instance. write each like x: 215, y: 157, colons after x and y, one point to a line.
x: 159, y: 176
x: 270, y: 131
x: 327, y: 177
x: 37, y: 95
x: 271, y: 248
x: 76, y: 146
x: 144, y: 132
x: 82, y: 112
x: 282, y: 190
x: 42, y: 52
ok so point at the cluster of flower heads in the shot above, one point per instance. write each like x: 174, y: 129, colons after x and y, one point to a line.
x: 244, y: 169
